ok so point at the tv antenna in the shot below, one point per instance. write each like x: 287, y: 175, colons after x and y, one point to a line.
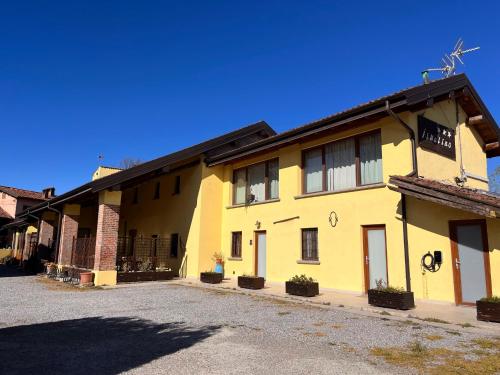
x: 449, y: 64
x: 100, y: 158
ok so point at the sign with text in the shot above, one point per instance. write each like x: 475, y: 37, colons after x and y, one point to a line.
x: 436, y: 137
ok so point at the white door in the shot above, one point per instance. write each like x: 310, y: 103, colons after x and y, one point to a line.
x: 470, y: 263
x: 375, y: 256
x: 261, y: 254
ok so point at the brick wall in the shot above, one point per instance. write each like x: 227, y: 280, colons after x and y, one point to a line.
x: 69, y: 230
x: 46, y: 233
x: 106, y: 237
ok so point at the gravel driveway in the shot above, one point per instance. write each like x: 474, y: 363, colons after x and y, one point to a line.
x: 149, y: 328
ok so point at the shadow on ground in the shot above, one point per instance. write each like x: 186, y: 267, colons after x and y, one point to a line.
x: 11, y: 271
x: 92, y: 345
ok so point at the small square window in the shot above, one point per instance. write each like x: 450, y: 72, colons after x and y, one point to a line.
x: 174, y: 245
x: 236, y: 245
x: 177, y: 185
x: 157, y: 191
x: 310, y: 244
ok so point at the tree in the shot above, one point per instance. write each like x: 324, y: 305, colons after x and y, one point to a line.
x: 495, y: 180
x: 127, y: 163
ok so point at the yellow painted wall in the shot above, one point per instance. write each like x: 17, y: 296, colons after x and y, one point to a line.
x: 101, y: 172
x: 340, y: 248
x: 428, y: 230
x: 169, y: 214
x: 435, y: 166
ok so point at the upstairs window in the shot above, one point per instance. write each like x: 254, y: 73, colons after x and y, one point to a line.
x: 174, y: 245
x: 256, y: 183
x: 343, y: 164
x: 135, y: 198
x: 236, y: 245
x: 157, y: 191
x: 177, y: 185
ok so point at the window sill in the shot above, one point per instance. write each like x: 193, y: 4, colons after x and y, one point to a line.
x: 235, y: 258
x: 357, y: 188
x: 253, y: 204
x: 300, y: 261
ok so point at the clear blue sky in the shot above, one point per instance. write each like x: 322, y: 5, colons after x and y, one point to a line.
x: 144, y: 78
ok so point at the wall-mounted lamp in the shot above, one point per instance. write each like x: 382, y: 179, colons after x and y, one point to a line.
x: 257, y: 224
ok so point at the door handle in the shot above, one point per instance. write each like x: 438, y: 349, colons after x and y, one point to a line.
x: 457, y: 263
x: 366, y: 259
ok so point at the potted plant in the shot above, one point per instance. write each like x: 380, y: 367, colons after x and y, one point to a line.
x: 211, y: 277
x: 250, y: 282
x: 488, y: 309
x: 86, y: 278
x: 51, y: 269
x: 218, y: 257
x: 390, y: 297
x: 302, y: 286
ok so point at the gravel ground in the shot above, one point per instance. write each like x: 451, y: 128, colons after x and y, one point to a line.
x: 148, y: 328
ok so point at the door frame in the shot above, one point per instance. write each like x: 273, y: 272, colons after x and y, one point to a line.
x: 366, y: 265
x: 457, y: 279
x: 256, y: 252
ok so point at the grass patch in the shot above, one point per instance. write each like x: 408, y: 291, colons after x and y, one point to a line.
x: 487, y: 344
x: 434, y: 337
x: 383, y: 312
x: 444, y: 361
x: 454, y: 333
x: 434, y: 320
x: 337, y: 326
x: 466, y: 325
x: 281, y: 313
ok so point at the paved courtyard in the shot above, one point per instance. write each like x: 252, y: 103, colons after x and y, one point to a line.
x: 150, y: 328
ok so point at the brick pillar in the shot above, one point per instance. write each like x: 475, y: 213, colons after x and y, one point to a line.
x: 69, y: 230
x: 107, y: 237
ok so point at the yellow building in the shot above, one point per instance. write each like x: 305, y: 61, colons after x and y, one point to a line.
x: 390, y: 190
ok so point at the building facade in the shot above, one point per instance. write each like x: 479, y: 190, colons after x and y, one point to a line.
x: 391, y: 190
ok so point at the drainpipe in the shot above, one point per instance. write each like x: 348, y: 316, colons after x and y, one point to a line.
x: 58, y: 232
x: 414, y: 172
x: 410, y: 131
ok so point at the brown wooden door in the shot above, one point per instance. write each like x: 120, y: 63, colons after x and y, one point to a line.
x: 470, y: 260
x: 374, y: 255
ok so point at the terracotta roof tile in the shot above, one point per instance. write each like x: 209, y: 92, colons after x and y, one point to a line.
x: 22, y: 193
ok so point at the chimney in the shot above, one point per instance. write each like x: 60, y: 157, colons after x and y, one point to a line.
x: 49, y: 192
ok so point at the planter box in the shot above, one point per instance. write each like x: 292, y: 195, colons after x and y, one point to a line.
x: 400, y: 301
x: 131, y: 277
x: 488, y: 311
x: 211, y: 277
x: 304, y: 290
x: 251, y: 282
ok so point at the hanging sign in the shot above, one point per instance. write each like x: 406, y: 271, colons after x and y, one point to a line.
x: 436, y: 137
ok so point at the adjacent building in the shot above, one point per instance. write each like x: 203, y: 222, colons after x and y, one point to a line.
x: 394, y: 190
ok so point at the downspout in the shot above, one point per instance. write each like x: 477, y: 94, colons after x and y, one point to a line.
x: 413, y: 173
x: 410, y: 131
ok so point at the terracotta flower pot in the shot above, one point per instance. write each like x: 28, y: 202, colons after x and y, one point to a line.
x: 86, y: 278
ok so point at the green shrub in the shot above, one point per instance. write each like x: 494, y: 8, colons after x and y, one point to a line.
x: 302, y: 279
x: 383, y: 287
x: 493, y: 299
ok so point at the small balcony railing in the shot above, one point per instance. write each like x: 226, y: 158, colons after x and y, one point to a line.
x: 139, y: 254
